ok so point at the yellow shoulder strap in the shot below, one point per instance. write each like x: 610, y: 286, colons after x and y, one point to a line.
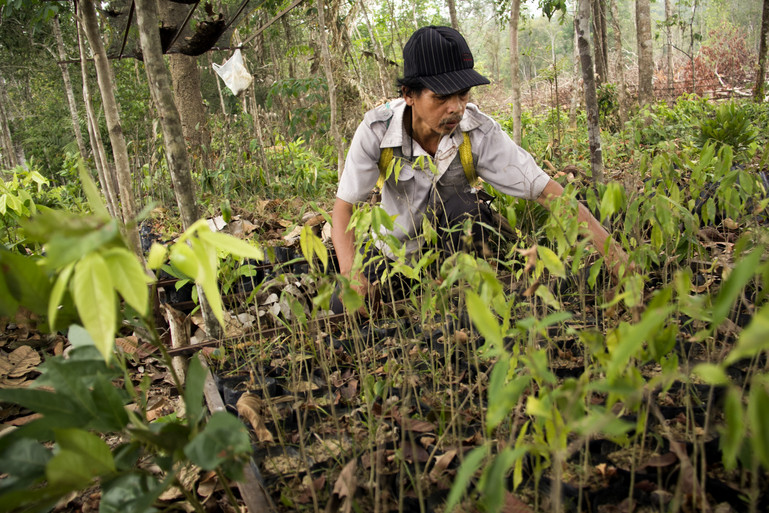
x: 385, y: 157
x: 465, y: 156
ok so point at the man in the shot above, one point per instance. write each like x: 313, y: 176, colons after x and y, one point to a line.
x: 431, y: 131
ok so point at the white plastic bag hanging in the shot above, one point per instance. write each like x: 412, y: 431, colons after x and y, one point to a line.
x: 235, y: 75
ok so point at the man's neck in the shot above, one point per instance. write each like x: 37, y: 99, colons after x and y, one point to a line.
x: 426, y: 138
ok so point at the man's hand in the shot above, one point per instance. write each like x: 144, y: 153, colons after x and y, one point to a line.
x: 344, y: 243
x: 615, y: 258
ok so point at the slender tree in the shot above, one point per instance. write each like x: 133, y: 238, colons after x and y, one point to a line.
x: 380, y: 59
x: 106, y: 80
x: 645, y: 56
x: 185, y: 78
x: 173, y: 137
x: 68, y: 88
x: 106, y: 176
x: 600, y: 41
x: 332, y: 97
x: 515, y: 11
x: 669, y: 44
x: 620, y: 73
x: 453, y: 14
x: 582, y: 26
x: 760, y: 90
x: 9, y: 160
x: 576, y: 89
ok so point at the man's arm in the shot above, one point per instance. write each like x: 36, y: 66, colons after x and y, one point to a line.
x: 344, y: 243
x: 616, y: 257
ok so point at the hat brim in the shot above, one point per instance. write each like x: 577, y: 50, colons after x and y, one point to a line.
x: 454, y: 81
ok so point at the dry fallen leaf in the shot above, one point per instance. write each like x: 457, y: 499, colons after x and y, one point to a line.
x: 416, y: 426
x: 345, y: 486
x: 531, y: 257
x: 664, y: 460
x: 514, y: 505
x: 208, y: 485
x: 19, y: 362
x: 441, y: 463
x: 249, y: 406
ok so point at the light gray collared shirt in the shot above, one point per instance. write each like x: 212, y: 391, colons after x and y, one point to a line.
x: 498, y: 161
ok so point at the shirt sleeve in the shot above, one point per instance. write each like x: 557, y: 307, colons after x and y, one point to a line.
x: 361, y: 167
x: 506, y: 166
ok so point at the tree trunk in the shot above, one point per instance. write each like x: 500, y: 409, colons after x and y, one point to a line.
x: 218, y: 85
x: 601, y: 52
x: 68, y: 89
x: 760, y: 90
x: 185, y: 77
x: 106, y: 79
x: 453, y: 14
x: 515, y: 11
x: 380, y: 59
x: 173, y: 138
x: 669, y: 46
x: 106, y: 177
x: 620, y: 73
x: 289, y: 44
x: 582, y: 26
x: 575, y: 90
x: 645, y: 57
x: 9, y: 160
x: 328, y: 69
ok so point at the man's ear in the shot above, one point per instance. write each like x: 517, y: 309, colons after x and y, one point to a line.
x: 408, y: 95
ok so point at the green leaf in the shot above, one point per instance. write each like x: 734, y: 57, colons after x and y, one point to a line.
x: 495, y: 477
x: 50, y: 404
x: 733, y: 432
x: 207, y: 276
x: 82, y: 456
x: 753, y: 339
x: 157, y: 256
x: 231, y: 245
x: 612, y: 200
x: 758, y: 406
x: 92, y: 193
x: 132, y: 493
x: 485, y: 321
x: 312, y: 246
x: 711, y: 374
x: 193, y: 391
x: 503, y: 395
x: 224, y: 439
x: 183, y: 258
x: 730, y: 290
x: 25, y: 458
x: 94, y: 297
x: 551, y: 261
x: 26, y: 280
x: 79, y: 337
x: 62, y: 250
x: 112, y: 414
x: 380, y: 220
x: 129, y: 278
x: 57, y: 293
x: 465, y: 473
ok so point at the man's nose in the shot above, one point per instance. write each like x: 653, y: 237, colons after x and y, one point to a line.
x: 454, y: 104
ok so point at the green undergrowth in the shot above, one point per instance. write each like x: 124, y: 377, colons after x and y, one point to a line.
x: 476, y: 381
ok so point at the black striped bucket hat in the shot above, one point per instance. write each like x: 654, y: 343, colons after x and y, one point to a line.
x: 441, y: 60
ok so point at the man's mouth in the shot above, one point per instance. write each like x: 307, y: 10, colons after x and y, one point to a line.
x: 450, y: 123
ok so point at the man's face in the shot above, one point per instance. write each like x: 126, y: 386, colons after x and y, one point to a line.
x: 436, y: 114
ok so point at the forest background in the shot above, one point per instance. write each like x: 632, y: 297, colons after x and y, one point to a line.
x: 279, y: 130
